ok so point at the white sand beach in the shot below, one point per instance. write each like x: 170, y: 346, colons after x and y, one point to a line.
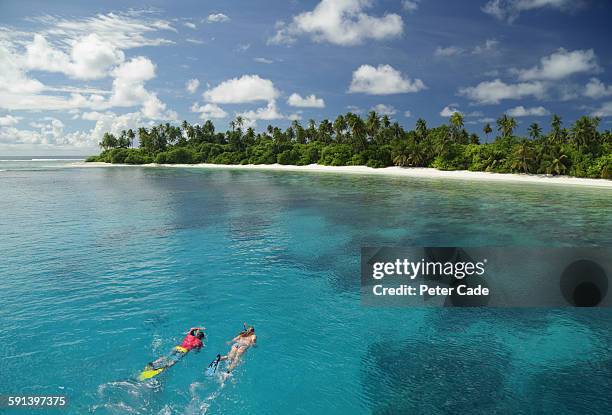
x: 427, y: 173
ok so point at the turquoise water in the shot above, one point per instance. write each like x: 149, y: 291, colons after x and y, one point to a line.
x: 104, y: 269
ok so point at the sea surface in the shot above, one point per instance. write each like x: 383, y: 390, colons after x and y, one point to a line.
x: 103, y: 269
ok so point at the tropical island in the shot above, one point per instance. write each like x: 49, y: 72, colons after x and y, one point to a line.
x: 579, y: 150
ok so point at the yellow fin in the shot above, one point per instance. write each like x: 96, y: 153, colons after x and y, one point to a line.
x: 148, y: 374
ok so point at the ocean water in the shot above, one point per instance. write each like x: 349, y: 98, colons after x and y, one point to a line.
x: 104, y: 269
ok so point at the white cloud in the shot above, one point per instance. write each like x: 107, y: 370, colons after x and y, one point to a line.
x: 13, y: 79
x: 521, y: 111
x: 474, y: 114
x: 47, y: 130
x: 510, y: 10
x: 92, y: 115
x: 84, y: 49
x: 155, y: 109
x: 448, y: 51
x: 269, y: 112
x: 105, y: 122
x: 383, y: 109
x: 128, y: 85
x: 122, y: 30
x: 492, y: 92
x: 410, y: 5
x: 383, y: 80
x: 12, y: 135
x: 217, y: 18
x: 488, y: 47
x: 40, y: 102
x: 561, y: 64
x: 9, y: 120
x: 263, y: 60
x: 247, y: 88
x: 311, y: 101
x: 449, y: 110
x: 209, y: 111
x: 486, y: 120
x: 109, y: 122
x: 604, y: 111
x: 129, y: 90
x: 243, y: 47
x: 407, y: 114
x: 296, y: 116
x: 194, y: 41
x: 90, y: 57
x: 341, y: 22
x: 596, y: 89
x: 192, y: 85
x: 190, y: 25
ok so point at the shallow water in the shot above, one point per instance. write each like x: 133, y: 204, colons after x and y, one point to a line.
x: 105, y: 268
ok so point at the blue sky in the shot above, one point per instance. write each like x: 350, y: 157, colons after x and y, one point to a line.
x: 69, y: 71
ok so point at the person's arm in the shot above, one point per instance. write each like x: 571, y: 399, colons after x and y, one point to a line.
x: 234, y: 340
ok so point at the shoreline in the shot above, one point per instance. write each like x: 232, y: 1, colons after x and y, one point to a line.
x: 413, y: 172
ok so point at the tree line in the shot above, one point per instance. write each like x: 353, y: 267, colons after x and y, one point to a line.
x: 579, y: 149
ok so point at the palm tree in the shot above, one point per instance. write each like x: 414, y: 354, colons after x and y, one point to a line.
x: 372, y: 124
x: 339, y: 128
x: 108, y: 141
x: 131, y: 136
x: 557, y: 165
x: 456, y: 124
x: 386, y: 121
x: 401, y: 159
x: 418, y: 156
x: 421, y: 129
x: 358, y: 132
x: 239, y: 122
x: 523, y: 157
x: 325, y: 131
x: 396, y: 130
x: 534, y: 131
x: 584, y: 131
x: 506, y: 125
x: 456, y: 120
x: 487, y: 130
x: 556, y: 135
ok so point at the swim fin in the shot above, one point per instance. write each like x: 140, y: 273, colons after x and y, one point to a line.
x: 212, y: 367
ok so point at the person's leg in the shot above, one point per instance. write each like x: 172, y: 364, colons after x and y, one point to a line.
x: 237, y: 355
x: 232, y: 353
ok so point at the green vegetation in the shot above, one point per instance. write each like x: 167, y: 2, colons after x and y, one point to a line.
x: 580, y: 150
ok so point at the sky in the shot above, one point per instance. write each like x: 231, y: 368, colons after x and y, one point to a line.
x: 72, y: 70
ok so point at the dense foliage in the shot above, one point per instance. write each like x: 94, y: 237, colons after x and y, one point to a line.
x: 580, y: 150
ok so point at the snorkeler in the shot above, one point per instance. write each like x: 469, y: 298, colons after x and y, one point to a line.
x: 193, y: 340
x: 240, y: 344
